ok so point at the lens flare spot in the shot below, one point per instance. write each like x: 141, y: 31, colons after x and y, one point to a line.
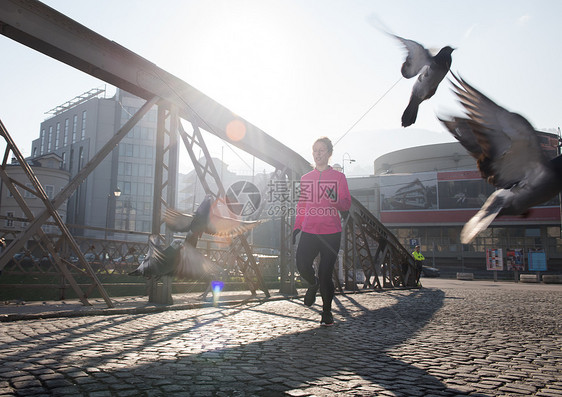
x: 217, y: 287
x: 235, y: 130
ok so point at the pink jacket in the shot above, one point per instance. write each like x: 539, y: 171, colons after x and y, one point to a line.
x: 322, y: 195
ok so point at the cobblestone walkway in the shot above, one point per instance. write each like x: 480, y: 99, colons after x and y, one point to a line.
x: 443, y: 340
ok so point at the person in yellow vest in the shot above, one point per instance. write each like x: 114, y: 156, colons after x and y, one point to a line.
x: 418, y: 259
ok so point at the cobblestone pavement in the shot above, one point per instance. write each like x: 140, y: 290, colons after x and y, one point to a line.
x: 446, y: 339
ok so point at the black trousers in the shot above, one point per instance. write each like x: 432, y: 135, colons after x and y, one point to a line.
x: 419, y: 267
x: 327, y: 245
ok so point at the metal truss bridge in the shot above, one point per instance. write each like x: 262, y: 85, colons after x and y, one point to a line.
x: 367, y: 245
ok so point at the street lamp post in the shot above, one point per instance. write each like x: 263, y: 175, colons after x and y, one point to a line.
x: 343, y: 160
x: 116, y: 193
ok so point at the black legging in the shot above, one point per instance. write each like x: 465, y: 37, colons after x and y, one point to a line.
x: 327, y: 245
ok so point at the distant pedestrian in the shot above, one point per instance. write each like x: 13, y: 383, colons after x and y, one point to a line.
x: 323, y: 192
x: 418, y: 258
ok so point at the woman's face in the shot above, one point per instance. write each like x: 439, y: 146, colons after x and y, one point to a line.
x: 320, y: 154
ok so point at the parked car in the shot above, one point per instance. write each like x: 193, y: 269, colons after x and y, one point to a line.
x: 429, y: 271
x: 25, y: 259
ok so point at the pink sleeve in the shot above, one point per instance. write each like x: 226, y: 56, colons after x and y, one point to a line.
x: 344, y: 197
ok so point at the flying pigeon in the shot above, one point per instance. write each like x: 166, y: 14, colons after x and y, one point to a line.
x: 509, y: 156
x: 178, y: 259
x: 159, y: 262
x: 430, y: 71
x: 206, y: 220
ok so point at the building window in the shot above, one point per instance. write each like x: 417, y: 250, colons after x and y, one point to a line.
x: 50, y: 191
x: 57, y: 137
x: 65, y: 138
x: 80, y: 158
x: 9, y: 220
x: 42, y: 141
x: 74, y: 128
x: 27, y: 193
x: 128, y: 169
x: 71, y: 160
x: 34, y: 152
x: 127, y: 188
x: 49, y: 138
x: 83, y: 134
x: 63, y: 161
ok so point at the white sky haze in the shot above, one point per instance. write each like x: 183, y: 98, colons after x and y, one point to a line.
x: 301, y: 69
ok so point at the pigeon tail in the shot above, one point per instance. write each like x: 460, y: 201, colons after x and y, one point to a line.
x: 410, y: 114
x: 489, y: 211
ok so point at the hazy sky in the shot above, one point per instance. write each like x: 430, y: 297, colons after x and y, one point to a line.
x: 299, y: 69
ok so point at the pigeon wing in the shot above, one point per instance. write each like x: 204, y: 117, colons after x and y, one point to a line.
x: 507, y: 139
x: 418, y: 57
x: 229, y: 227
x: 151, y: 263
x: 193, y: 265
x: 462, y: 131
x: 177, y: 221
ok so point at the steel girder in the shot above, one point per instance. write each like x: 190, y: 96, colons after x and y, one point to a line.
x: 240, y: 250
x: 35, y: 228
x: 64, y: 194
x: 51, y: 206
x: 46, y: 30
x: 368, y: 245
x: 165, y: 182
x: 287, y: 249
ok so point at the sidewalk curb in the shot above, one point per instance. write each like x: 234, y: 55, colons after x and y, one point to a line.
x: 146, y: 307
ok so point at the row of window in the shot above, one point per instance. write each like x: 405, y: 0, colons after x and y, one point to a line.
x: 136, y: 151
x: 140, y: 132
x: 129, y: 111
x: 136, y: 188
x: 134, y: 224
x: 49, y: 190
x: 446, y: 239
x: 51, y: 139
x: 11, y: 222
x: 130, y: 169
x: 71, y: 162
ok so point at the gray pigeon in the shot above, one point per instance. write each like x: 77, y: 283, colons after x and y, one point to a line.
x: 431, y: 70
x: 207, y: 220
x: 179, y: 259
x: 509, y: 156
x: 159, y: 262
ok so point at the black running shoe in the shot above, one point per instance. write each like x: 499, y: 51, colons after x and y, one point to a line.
x: 327, y: 319
x: 310, y: 295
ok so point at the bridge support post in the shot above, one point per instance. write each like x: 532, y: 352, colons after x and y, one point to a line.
x: 160, y: 291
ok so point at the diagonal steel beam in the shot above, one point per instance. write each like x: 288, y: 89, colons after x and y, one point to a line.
x: 42, y: 195
x: 54, y: 34
x: 249, y: 264
x: 64, y: 194
x: 38, y: 26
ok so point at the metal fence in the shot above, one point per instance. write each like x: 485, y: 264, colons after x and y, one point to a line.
x: 112, y: 260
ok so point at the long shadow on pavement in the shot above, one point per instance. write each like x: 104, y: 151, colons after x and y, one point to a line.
x: 268, y: 348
